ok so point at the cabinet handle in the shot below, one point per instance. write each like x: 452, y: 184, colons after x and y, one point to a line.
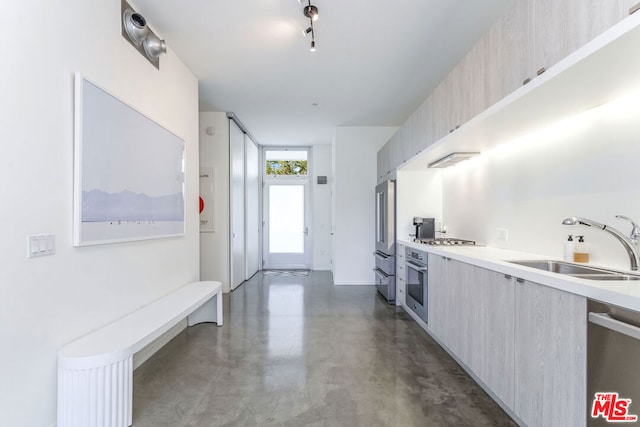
x: 540, y: 71
x: 508, y: 276
x: 525, y: 81
x: 519, y: 280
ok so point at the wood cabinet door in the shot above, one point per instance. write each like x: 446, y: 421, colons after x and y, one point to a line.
x: 563, y: 26
x: 491, y: 331
x: 550, y: 356
x: 443, y: 119
x: 438, y: 301
x: 512, y: 38
x: 401, y: 275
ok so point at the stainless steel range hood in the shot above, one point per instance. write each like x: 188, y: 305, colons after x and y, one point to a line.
x: 453, y: 159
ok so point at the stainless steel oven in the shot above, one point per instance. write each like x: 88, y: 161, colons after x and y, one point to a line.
x: 417, y: 282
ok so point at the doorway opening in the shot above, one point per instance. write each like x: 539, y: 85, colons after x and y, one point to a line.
x: 286, y: 209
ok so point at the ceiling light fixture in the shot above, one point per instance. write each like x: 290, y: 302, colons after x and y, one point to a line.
x: 311, y: 12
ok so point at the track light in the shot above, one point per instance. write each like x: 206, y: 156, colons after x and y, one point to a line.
x: 311, y: 12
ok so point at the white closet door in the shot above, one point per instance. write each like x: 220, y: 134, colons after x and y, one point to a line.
x: 237, y: 195
x: 252, y: 205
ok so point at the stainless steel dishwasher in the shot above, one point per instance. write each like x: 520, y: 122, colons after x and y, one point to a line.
x: 613, y: 365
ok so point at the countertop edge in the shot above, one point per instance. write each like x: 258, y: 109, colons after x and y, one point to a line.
x: 623, y: 294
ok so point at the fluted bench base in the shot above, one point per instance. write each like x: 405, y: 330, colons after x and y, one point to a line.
x: 95, y: 372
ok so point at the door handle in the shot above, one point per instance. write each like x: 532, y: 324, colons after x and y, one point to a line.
x: 306, y: 231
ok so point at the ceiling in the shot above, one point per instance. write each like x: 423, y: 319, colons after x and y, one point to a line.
x: 376, y: 60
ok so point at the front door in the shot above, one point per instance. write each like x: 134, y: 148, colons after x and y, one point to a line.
x: 287, y: 241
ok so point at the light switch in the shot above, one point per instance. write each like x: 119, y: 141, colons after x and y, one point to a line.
x: 502, y: 234
x: 41, y: 245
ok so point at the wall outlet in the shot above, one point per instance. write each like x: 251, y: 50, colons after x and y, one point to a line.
x: 502, y: 234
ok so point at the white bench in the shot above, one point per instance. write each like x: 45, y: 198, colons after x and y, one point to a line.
x: 95, y: 372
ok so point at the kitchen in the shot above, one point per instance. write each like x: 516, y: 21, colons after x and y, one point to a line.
x: 555, y: 158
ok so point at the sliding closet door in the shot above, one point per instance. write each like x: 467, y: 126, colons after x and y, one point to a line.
x: 237, y: 195
x: 252, y: 207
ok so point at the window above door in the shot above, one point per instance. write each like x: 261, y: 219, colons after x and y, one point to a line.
x: 282, y: 162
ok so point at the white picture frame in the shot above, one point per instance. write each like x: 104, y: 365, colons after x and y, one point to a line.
x: 129, y: 177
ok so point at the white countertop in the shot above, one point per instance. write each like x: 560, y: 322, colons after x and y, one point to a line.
x: 624, y: 293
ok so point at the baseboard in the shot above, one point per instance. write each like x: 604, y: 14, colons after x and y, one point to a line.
x: 145, y: 354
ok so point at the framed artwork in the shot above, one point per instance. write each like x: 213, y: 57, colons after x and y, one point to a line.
x: 206, y: 200
x: 128, y: 172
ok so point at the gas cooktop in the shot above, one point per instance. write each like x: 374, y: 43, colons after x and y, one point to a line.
x: 445, y: 241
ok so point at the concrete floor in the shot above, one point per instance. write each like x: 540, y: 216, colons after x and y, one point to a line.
x: 298, y: 351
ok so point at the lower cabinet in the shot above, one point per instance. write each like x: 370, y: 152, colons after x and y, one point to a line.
x: 471, y: 312
x: 525, y: 341
x: 551, y: 356
x: 401, y: 275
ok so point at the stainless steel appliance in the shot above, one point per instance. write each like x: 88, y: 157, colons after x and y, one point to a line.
x: 425, y: 227
x: 417, y: 282
x: 386, y: 240
x: 613, y: 354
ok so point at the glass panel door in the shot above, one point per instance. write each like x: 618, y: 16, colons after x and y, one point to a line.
x: 286, y: 215
x: 286, y: 228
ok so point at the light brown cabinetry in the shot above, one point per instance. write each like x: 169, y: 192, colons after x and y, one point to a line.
x: 401, y: 274
x: 471, y: 312
x: 561, y: 27
x: 550, y: 356
x: 532, y: 36
x: 525, y: 341
x: 422, y: 127
x: 515, y: 47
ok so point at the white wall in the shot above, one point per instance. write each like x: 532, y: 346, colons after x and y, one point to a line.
x: 48, y: 302
x: 355, y: 162
x: 417, y: 194
x: 585, y: 166
x: 214, y: 153
x: 321, y: 229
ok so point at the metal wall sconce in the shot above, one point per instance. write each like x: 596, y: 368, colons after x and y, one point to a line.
x: 137, y: 32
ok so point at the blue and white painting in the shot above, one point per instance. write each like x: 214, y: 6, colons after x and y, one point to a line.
x: 129, y: 172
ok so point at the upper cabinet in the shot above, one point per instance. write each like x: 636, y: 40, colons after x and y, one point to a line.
x: 512, y: 39
x: 529, y: 39
x: 561, y: 27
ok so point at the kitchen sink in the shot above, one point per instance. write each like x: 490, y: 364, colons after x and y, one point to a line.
x: 574, y: 270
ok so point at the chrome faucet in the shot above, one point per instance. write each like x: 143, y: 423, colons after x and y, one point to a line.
x: 629, y: 243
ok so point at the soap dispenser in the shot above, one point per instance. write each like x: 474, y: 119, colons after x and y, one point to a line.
x: 581, y: 250
x: 569, y: 248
